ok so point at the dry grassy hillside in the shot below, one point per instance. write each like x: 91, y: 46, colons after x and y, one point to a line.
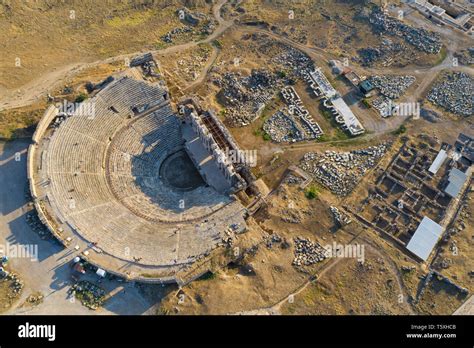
x: 42, y: 35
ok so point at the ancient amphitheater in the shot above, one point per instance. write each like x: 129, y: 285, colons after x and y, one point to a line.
x: 133, y: 187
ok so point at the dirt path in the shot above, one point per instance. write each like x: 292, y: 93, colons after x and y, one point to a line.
x: 205, y: 70
x: 276, y: 308
x: 38, y: 88
x: 395, y: 270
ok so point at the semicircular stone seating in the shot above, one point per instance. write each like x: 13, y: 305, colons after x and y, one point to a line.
x: 105, y: 182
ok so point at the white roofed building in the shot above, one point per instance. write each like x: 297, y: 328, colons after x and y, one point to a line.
x: 425, y: 238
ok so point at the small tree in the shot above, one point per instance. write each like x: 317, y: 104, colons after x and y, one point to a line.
x: 402, y: 129
x: 80, y: 98
x: 312, y: 192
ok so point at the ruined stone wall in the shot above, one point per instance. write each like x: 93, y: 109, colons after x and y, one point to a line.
x: 44, y: 123
x: 210, y: 144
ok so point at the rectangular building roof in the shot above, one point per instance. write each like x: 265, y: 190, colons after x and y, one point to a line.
x: 425, y: 238
x: 323, y: 83
x: 456, y: 181
x: 350, y: 120
x: 438, y: 162
x: 367, y: 86
x: 340, y: 106
x: 352, y: 77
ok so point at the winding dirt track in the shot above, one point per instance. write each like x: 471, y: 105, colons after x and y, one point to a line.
x: 276, y: 308
x: 39, y: 87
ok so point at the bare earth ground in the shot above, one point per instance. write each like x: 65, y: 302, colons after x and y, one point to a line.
x: 94, y: 30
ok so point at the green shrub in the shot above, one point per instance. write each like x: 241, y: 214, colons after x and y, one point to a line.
x: 400, y: 130
x: 217, y: 44
x: 281, y: 74
x: 80, y: 98
x: 312, y: 192
x: 208, y: 276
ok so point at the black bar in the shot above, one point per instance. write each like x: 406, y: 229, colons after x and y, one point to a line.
x: 242, y: 330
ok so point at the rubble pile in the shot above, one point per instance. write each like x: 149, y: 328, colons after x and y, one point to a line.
x: 460, y: 222
x: 61, y: 116
x: 340, y: 172
x: 229, y: 239
x: 172, y: 34
x: 465, y: 57
x: 294, y: 60
x: 385, y: 53
x: 190, y: 68
x: 392, y: 86
x: 454, y: 93
x: 307, y: 252
x: 246, y: 96
x: 340, y: 218
x: 273, y: 239
x: 88, y: 293
x: 445, y: 279
x: 422, y: 39
x: 291, y: 216
x: 16, y: 284
x: 384, y: 106
x: 281, y: 128
x: 194, y: 22
x: 303, y: 120
x: 37, y: 226
x: 294, y: 124
x: 441, y: 278
x: 35, y: 299
x: 408, y: 269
